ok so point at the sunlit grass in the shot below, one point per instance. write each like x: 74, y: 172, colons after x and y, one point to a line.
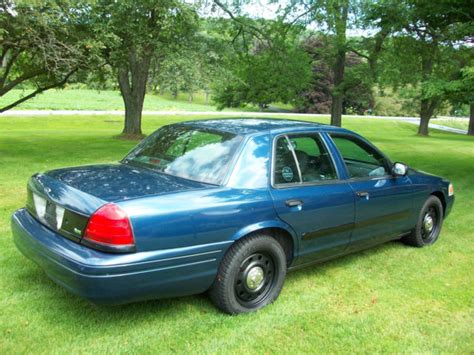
x: 88, y: 99
x: 391, y: 298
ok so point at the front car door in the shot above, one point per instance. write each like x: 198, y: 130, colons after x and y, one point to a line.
x: 384, y: 203
x: 310, y: 196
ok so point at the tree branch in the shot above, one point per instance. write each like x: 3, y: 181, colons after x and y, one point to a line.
x: 360, y: 54
x: 39, y: 91
x: 257, y: 31
x: 19, y: 80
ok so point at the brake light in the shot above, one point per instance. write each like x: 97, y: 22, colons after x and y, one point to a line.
x: 109, y: 226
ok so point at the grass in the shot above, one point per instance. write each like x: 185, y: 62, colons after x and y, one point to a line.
x: 461, y: 123
x: 391, y: 298
x: 86, y: 99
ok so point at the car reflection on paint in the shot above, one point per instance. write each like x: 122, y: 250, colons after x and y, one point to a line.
x: 224, y: 206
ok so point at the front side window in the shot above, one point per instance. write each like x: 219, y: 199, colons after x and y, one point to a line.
x: 361, y: 159
x: 191, y: 153
x: 302, y: 159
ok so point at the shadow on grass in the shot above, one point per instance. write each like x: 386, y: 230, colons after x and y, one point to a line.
x: 68, y: 306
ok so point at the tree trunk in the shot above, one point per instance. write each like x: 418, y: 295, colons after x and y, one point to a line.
x: 337, y: 92
x: 206, y: 100
x: 427, y: 105
x: 132, y: 80
x: 427, y: 108
x: 470, y: 129
x: 190, y: 97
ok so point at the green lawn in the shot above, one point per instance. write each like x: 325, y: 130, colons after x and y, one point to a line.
x: 86, y: 99
x: 392, y: 298
x: 461, y: 123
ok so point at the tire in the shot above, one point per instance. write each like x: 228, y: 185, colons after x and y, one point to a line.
x: 431, y: 214
x: 250, y: 276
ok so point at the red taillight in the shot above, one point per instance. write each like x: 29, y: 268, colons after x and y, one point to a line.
x: 109, y: 226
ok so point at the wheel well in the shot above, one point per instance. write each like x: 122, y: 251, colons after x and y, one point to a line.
x: 440, y: 195
x: 283, y: 237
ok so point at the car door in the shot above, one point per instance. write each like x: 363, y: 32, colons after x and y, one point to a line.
x: 309, y: 195
x: 383, y: 202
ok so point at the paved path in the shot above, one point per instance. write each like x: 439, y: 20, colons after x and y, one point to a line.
x: 19, y: 113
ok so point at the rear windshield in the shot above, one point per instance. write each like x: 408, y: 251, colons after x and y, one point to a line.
x: 188, y: 152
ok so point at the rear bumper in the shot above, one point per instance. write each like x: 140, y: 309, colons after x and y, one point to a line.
x: 116, y: 278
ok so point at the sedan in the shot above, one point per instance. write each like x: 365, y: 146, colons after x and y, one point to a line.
x: 225, y: 206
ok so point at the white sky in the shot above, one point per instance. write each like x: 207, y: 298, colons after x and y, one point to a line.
x: 262, y: 9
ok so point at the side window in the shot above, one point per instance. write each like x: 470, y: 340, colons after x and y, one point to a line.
x: 361, y: 159
x: 312, y: 160
x: 286, y: 171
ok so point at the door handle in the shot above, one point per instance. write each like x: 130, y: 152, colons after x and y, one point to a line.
x: 362, y: 194
x: 293, y: 203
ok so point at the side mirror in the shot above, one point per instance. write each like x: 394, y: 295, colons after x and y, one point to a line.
x: 399, y: 169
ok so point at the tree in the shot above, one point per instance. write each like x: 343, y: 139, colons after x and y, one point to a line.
x: 334, y: 18
x: 356, y: 89
x: 268, y: 65
x: 423, y: 38
x: 41, y: 46
x: 133, y: 34
x: 196, y: 66
x: 461, y: 90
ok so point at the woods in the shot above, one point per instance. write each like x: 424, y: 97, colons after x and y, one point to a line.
x: 333, y: 56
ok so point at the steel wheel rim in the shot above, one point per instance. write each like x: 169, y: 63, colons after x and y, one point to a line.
x: 430, y: 224
x: 255, y: 279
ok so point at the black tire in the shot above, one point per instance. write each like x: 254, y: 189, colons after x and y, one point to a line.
x: 422, y: 235
x: 238, y: 287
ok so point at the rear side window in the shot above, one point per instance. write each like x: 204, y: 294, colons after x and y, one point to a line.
x: 361, y: 159
x: 302, y: 159
x: 191, y: 153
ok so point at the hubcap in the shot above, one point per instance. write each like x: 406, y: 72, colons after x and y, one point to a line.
x: 255, y: 278
x: 428, y: 223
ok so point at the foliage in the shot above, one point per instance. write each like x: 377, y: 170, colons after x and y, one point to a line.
x: 356, y: 87
x: 41, y: 46
x: 272, y: 68
x: 194, y: 67
x: 132, y: 35
x: 424, y: 39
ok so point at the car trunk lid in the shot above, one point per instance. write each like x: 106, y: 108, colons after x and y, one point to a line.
x: 64, y: 199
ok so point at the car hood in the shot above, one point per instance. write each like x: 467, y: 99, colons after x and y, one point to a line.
x: 116, y: 182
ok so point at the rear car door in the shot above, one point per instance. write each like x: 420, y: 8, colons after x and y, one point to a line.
x: 309, y: 195
x: 384, y: 203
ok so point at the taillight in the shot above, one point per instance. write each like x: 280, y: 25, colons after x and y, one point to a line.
x: 110, y: 227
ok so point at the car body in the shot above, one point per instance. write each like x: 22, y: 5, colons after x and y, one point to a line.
x: 316, y: 205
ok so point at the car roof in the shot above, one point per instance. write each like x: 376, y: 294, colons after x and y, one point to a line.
x: 250, y: 125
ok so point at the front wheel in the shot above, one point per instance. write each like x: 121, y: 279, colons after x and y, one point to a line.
x: 428, y: 227
x: 250, y: 276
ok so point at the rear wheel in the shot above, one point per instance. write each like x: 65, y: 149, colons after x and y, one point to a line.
x: 429, y: 224
x: 250, y: 276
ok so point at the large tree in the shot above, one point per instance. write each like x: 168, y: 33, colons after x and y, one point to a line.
x: 334, y: 19
x: 133, y: 34
x: 460, y: 90
x: 356, y: 88
x: 41, y: 46
x: 268, y: 65
x: 424, y: 36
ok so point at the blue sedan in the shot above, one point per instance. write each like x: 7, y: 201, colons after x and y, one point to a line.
x: 224, y: 206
